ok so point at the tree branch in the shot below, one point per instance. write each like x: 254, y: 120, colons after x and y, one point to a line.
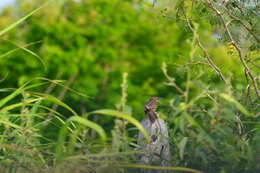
x: 233, y: 42
x: 207, y: 56
x: 242, y: 23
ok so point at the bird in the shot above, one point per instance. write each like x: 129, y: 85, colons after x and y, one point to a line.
x: 150, y: 108
x: 157, y: 149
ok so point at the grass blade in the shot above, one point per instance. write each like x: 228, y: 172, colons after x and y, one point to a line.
x: 123, y: 116
x: 182, y: 145
x: 5, y: 30
x: 16, y: 49
x: 12, y: 95
x: 159, y: 168
x: 91, y: 125
x: 19, y: 91
x: 30, y: 52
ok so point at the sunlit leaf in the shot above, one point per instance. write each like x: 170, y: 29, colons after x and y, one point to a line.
x: 237, y: 104
x: 159, y: 168
x: 182, y: 145
x: 5, y: 30
x: 91, y: 125
x: 126, y: 117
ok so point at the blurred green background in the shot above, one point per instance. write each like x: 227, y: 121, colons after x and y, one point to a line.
x: 92, y: 45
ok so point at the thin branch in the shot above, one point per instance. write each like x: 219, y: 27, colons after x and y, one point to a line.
x: 173, y: 84
x: 233, y: 42
x: 52, y: 85
x: 248, y: 88
x: 242, y: 23
x: 64, y: 91
x: 190, y: 63
x: 207, y: 56
x: 198, y: 18
x: 171, y: 81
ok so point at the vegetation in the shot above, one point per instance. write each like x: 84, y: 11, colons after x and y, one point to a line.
x: 75, y: 75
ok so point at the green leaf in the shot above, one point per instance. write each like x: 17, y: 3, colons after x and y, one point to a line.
x: 12, y: 95
x: 30, y: 52
x: 193, y: 122
x: 123, y: 116
x: 8, y: 123
x: 5, y: 30
x: 182, y: 145
x: 158, y: 168
x: 57, y: 101
x: 16, y: 49
x: 102, y: 155
x: 13, y: 106
x: 91, y: 125
x: 61, y: 140
x: 35, y: 107
x: 237, y: 104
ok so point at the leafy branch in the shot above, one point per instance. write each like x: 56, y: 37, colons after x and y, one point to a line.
x: 207, y: 55
x: 248, y: 71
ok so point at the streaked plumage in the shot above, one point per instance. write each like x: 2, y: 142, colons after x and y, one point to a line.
x: 150, y: 108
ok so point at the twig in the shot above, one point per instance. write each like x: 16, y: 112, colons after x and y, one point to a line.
x: 64, y: 91
x: 52, y: 85
x: 190, y: 63
x: 207, y: 56
x: 198, y: 18
x: 176, y: 87
x: 240, y: 126
x: 242, y: 23
x: 247, y: 89
x: 171, y: 81
x: 233, y: 42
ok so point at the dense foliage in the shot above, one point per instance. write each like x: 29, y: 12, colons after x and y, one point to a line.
x: 114, y: 54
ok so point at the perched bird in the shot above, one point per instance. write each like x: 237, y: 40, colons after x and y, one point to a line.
x: 150, y: 108
x: 157, y: 150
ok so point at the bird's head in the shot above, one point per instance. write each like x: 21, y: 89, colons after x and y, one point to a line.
x: 154, y: 99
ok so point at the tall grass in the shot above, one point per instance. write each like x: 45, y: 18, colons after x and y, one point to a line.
x: 219, y: 138
x: 27, y: 147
